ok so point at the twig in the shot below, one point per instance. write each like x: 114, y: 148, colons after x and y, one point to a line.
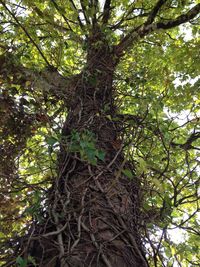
x: 26, y: 32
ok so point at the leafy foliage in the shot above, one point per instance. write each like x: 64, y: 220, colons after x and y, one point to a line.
x: 84, y: 143
x: 157, y: 98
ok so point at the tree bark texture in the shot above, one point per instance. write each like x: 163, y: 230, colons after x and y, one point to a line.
x: 92, y: 217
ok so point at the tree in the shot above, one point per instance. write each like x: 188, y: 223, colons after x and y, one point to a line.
x: 95, y: 167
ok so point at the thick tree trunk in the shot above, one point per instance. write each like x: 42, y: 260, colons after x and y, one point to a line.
x: 93, y: 210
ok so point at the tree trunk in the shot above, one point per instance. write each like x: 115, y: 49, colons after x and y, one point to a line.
x: 92, y: 217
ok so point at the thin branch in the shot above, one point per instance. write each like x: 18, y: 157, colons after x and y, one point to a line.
x: 155, y: 11
x: 47, y: 80
x: 27, y: 34
x: 54, y: 24
x: 143, y: 30
x: 106, y: 11
x: 60, y: 230
x: 188, y: 144
x: 84, y: 12
x: 94, y: 18
x: 131, y: 9
x: 59, y: 11
x: 78, y: 17
x: 191, y: 14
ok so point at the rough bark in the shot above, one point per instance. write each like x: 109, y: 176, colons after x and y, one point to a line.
x: 92, y: 217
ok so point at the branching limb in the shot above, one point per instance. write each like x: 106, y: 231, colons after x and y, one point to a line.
x: 94, y: 5
x: 48, y: 80
x: 143, y: 30
x: 191, y: 14
x: 155, y: 11
x: 64, y: 17
x: 78, y: 17
x: 85, y: 12
x: 129, y: 14
x: 26, y: 32
x: 188, y: 144
x: 106, y: 11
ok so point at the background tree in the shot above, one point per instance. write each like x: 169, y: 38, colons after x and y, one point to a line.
x: 97, y: 168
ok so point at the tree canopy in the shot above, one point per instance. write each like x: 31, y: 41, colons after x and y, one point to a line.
x: 46, y: 48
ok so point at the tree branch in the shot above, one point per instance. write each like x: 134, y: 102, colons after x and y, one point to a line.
x: 127, y: 18
x: 94, y: 4
x: 144, y: 29
x: 84, y: 12
x: 191, y: 14
x: 188, y: 144
x: 27, y: 34
x: 78, y: 17
x: 48, y: 80
x: 155, y: 11
x: 64, y: 17
x: 106, y: 11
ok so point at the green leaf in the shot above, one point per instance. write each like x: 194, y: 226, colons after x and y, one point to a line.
x: 100, y: 155
x: 158, y: 184
x: 141, y: 167
x: 90, y: 153
x: 128, y: 173
x: 32, y: 260
x: 21, y: 262
x: 51, y: 140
